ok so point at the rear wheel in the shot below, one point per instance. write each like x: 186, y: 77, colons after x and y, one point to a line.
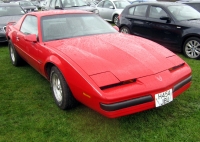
x: 115, y: 19
x: 125, y: 30
x: 14, y: 56
x: 191, y: 48
x: 61, y: 91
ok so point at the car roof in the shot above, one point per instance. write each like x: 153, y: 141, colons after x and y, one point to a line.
x: 158, y: 3
x: 9, y: 4
x: 57, y: 12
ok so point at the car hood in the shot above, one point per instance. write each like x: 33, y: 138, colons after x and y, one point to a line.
x: 5, y: 19
x: 191, y: 23
x: 125, y: 56
x: 85, y: 8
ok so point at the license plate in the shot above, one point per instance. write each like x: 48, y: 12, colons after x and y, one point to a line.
x: 163, y: 98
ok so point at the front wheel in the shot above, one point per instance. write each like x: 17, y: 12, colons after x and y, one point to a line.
x: 191, y: 48
x: 125, y: 30
x: 60, y: 90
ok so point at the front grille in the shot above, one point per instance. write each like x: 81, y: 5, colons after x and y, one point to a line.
x: 4, y: 28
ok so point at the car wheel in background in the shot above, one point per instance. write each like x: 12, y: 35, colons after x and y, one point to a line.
x: 61, y: 91
x: 125, y: 30
x: 14, y: 56
x: 115, y: 19
x: 191, y: 48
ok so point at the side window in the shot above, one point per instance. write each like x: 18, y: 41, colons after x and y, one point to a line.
x: 131, y: 10
x: 100, y: 4
x: 58, y: 3
x: 107, y: 4
x: 156, y: 12
x: 52, y: 4
x: 140, y: 10
x: 29, y: 25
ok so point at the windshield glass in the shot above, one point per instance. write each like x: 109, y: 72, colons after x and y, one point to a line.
x: 26, y: 3
x: 184, y: 12
x: 73, y: 25
x: 121, y: 4
x: 73, y: 3
x: 10, y: 11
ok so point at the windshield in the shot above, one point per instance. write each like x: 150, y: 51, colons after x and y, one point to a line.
x: 10, y: 11
x: 73, y: 3
x: 121, y: 4
x: 25, y: 3
x: 73, y: 25
x: 184, y: 12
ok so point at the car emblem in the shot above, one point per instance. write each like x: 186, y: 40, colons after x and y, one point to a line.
x: 4, y: 28
x: 159, y: 78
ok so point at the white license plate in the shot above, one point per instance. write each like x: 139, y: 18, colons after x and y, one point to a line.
x: 163, y: 98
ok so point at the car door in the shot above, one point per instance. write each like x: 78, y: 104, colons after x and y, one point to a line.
x: 28, y: 49
x: 100, y: 8
x: 137, y: 18
x: 165, y: 32
x: 108, y: 9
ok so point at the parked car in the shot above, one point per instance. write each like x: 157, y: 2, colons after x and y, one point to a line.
x: 69, y: 4
x: 8, y: 13
x: 194, y: 3
x: 87, y: 60
x: 174, y: 25
x: 110, y: 9
x: 27, y: 6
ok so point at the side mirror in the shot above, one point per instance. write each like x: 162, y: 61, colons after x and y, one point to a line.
x: 116, y: 28
x: 168, y: 19
x: 111, y: 7
x: 31, y: 38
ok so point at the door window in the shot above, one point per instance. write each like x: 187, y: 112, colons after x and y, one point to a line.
x: 107, y: 4
x: 52, y: 4
x: 100, y: 4
x: 131, y: 10
x: 140, y: 10
x: 29, y: 25
x: 156, y: 12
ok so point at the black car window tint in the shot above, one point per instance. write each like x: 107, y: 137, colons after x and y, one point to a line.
x: 100, y: 4
x: 140, y: 10
x: 156, y: 12
x: 107, y: 4
x: 52, y: 4
x: 29, y: 25
x: 131, y: 10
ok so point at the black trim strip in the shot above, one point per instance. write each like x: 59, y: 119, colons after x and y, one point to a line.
x: 182, y: 83
x: 125, y: 104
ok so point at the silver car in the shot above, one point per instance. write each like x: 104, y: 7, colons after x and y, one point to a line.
x: 109, y: 10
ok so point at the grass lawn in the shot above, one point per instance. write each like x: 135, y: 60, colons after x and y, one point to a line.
x: 28, y: 113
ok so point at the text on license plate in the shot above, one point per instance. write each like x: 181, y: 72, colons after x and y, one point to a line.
x: 163, y: 98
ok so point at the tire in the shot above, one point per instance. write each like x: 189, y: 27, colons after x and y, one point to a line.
x: 125, y: 30
x: 14, y: 56
x: 116, y: 20
x: 61, y: 92
x: 191, y: 48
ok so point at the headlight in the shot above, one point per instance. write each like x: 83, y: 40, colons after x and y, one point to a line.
x: 96, y: 11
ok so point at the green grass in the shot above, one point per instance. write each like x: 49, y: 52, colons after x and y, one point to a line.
x: 28, y: 113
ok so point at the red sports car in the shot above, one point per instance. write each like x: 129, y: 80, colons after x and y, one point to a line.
x: 87, y: 60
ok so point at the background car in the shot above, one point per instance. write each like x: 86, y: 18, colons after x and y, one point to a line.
x: 8, y: 13
x: 27, y: 6
x: 174, y: 25
x: 109, y: 10
x: 194, y: 3
x: 69, y: 4
x: 87, y: 60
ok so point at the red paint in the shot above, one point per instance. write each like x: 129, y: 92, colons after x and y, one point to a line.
x: 90, y: 62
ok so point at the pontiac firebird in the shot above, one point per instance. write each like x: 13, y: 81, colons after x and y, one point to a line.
x: 87, y: 60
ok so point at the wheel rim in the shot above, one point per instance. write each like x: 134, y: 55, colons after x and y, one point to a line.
x: 116, y: 20
x: 57, y: 88
x: 12, y: 54
x: 192, y: 49
x: 124, y: 30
